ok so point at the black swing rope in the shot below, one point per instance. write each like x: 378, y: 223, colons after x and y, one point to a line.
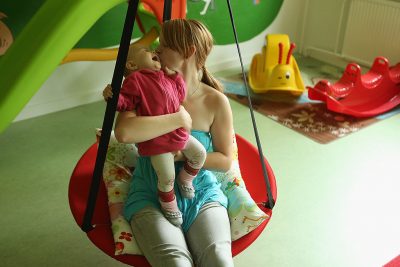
x: 111, y: 108
x: 271, y: 202
x: 109, y: 115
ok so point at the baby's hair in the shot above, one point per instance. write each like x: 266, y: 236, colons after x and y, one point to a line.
x: 180, y: 34
x: 131, y: 51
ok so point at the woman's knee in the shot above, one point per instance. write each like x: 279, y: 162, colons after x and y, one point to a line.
x: 170, y: 255
x: 218, y: 254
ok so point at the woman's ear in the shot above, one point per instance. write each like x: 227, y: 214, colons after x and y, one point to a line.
x: 192, y: 51
x: 130, y: 65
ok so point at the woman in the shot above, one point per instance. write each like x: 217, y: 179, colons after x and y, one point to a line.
x: 184, y: 47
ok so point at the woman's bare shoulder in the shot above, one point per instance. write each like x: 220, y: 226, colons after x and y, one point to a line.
x: 215, y: 98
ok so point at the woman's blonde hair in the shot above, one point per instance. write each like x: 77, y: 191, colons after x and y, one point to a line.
x: 180, y: 34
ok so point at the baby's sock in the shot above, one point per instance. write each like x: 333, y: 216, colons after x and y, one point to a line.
x: 185, y: 180
x: 169, y: 207
x: 166, y: 196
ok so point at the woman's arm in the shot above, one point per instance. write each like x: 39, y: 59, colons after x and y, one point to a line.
x: 130, y: 128
x: 222, y: 134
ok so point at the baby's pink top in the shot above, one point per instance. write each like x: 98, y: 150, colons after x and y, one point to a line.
x: 152, y: 93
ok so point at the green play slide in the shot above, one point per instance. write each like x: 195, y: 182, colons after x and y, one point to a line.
x: 40, y: 47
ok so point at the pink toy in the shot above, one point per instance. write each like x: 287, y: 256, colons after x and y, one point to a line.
x: 361, y: 95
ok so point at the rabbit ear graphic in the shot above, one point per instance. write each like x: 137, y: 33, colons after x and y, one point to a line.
x: 280, y: 53
x: 292, y: 46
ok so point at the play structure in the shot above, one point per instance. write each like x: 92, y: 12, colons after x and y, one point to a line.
x: 27, y: 64
x: 102, y: 236
x: 361, y: 95
x: 88, y: 54
x: 275, y: 68
x: 146, y: 6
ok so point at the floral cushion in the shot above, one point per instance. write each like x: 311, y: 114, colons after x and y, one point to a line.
x: 117, y: 175
x: 244, y: 214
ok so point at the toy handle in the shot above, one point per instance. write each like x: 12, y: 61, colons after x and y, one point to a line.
x: 353, y: 69
x: 382, y: 61
x: 380, y: 65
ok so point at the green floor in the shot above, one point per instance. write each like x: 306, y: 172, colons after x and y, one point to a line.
x: 338, y: 204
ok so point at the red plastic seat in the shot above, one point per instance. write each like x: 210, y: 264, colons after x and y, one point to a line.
x: 101, y: 235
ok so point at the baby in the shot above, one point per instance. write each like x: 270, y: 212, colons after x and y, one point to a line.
x: 150, y: 91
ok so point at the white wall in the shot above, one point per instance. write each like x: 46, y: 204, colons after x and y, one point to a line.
x: 70, y: 85
x: 79, y: 83
x: 322, y: 24
x: 344, y: 31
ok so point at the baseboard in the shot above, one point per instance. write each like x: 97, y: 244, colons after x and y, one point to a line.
x: 333, y: 58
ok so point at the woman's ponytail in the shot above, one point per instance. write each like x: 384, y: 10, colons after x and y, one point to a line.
x: 210, y: 80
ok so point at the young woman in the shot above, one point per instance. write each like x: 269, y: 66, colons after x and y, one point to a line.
x: 204, y: 238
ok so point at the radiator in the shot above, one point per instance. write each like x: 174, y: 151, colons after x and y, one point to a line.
x: 372, y: 29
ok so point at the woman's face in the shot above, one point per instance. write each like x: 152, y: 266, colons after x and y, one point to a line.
x: 170, y: 58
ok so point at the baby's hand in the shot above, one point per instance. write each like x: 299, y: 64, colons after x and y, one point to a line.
x: 168, y: 71
x: 107, y: 92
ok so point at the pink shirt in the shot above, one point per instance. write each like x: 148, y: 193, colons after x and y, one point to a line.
x: 152, y: 93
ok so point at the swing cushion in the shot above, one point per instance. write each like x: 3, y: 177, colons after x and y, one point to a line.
x: 244, y: 214
x: 117, y: 175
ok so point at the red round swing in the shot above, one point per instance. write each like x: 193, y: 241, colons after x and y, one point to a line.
x: 101, y: 235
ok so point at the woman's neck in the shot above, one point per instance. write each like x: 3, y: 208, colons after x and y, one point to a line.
x: 191, y: 78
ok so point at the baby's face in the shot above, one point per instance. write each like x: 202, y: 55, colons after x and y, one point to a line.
x: 144, y: 58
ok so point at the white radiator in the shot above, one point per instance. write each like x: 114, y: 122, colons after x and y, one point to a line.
x: 372, y: 29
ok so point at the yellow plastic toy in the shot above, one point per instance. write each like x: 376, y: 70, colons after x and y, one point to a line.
x: 268, y: 70
x: 97, y: 54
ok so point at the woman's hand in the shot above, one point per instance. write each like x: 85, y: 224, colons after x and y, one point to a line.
x: 184, y: 119
x: 107, y: 92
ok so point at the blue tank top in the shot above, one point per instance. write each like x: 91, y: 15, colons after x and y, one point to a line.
x: 143, y: 189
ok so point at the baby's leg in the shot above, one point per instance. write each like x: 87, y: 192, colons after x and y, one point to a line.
x: 195, y: 154
x: 164, y: 166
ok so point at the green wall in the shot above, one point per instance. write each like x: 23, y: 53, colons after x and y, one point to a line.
x: 251, y: 18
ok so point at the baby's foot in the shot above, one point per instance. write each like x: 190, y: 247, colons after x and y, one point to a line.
x: 185, y: 183
x: 187, y: 190
x: 171, y: 212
